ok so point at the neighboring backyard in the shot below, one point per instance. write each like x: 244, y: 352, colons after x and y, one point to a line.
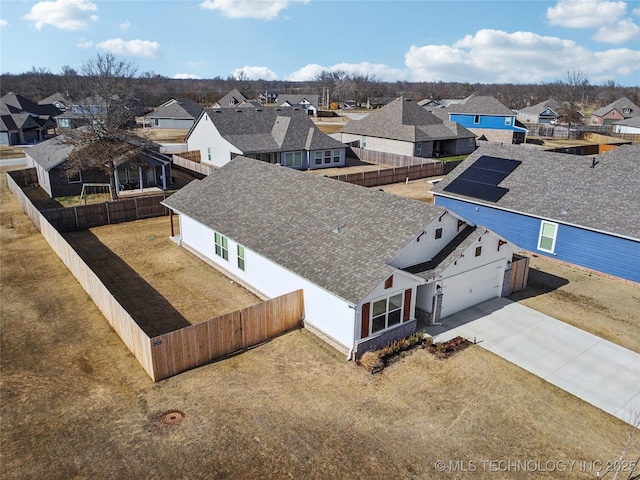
x: 76, y: 404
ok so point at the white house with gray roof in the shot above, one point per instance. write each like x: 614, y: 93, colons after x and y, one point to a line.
x: 403, y: 127
x: 369, y: 263
x: 284, y: 136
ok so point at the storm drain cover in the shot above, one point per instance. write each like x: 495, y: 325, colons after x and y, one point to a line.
x: 173, y: 417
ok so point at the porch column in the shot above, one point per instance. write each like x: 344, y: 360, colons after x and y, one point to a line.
x: 164, y: 178
x: 117, y: 180
x: 141, y: 179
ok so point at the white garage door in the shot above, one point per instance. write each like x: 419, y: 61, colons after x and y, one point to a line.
x: 470, y: 288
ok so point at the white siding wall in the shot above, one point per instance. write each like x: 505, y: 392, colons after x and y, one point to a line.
x: 428, y: 246
x: 490, y: 254
x: 43, y: 175
x: 424, y: 297
x: 205, y: 136
x: 322, y: 309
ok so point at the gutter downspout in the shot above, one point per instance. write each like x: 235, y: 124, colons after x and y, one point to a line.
x: 355, y: 320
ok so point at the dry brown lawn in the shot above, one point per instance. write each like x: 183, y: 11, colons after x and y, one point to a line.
x: 164, y: 135
x: 11, y: 152
x: 75, y: 404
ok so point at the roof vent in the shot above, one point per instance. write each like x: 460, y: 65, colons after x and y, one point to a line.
x: 594, y: 162
x: 338, y: 229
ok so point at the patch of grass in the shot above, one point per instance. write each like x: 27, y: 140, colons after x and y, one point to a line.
x: 453, y: 159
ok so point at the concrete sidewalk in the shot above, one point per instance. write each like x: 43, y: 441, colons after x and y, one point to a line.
x: 595, y: 370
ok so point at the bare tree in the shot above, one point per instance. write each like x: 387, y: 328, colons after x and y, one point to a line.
x: 103, y: 98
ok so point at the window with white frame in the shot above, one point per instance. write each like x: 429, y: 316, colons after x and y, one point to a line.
x: 222, y: 246
x: 507, y: 121
x: 318, y: 158
x: 386, y: 313
x: 327, y: 156
x: 547, y: 237
x: 364, y: 142
x: 241, y: 261
x: 336, y: 156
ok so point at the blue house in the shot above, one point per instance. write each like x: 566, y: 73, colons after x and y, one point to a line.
x: 487, y: 118
x: 581, y: 210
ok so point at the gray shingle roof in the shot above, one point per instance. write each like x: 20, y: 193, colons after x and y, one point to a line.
x: 629, y: 122
x: 180, y: 108
x: 619, y: 105
x: 479, y: 105
x: 234, y: 96
x: 538, y: 108
x: 296, y: 99
x: 259, y: 130
x: 50, y: 153
x: 289, y: 217
x: 405, y: 120
x: 563, y: 187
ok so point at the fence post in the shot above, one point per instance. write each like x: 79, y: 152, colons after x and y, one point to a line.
x: 75, y: 213
x: 135, y: 202
x: 106, y: 204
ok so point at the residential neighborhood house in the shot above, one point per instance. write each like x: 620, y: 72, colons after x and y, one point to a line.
x: 230, y: 100
x: 59, y: 100
x: 23, y: 121
x: 621, y: 109
x: 405, y: 128
x: 176, y: 113
x: 369, y: 263
x: 50, y: 159
x: 544, y: 112
x: 486, y: 117
x: 285, y: 136
x: 309, y: 103
x: 628, y: 126
x: 581, y: 210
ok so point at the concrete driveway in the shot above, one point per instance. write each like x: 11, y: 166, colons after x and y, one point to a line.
x: 595, y: 370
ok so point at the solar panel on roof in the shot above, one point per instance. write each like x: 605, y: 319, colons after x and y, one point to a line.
x: 483, y: 191
x: 495, y: 163
x: 481, y: 179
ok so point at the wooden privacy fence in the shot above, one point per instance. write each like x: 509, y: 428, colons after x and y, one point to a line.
x: 174, y: 352
x: 191, y: 165
x: 392, y: 175
x: 195, y: 345
x: 392, y: 159
x: 519, y: 273
x: 87, y: 216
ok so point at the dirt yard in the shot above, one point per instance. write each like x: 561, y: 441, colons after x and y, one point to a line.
x: 75, y: 403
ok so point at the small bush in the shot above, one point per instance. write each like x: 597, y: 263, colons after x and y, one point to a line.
x: 372, y: 361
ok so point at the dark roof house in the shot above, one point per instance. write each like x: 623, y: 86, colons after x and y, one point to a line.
x: 364, y: 258
x: 403, y: 127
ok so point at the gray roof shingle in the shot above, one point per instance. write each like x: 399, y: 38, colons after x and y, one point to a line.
x: 337, y: 235
x: 180, y: 108
x: 405, y: 120
x: 619, y: 105
x: 479, y: 105
x: 260, y: 130
x: 564, y: 188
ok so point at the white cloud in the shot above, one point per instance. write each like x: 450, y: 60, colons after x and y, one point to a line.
x: 4, y: 23
x: 381, y: 72
x: 636, y: 12
x: 255, y: 73
x: 84, y: 43
x: 620, y: 32
x: 494, y: 56
x: 63, y: 14
x: 585, y: 13
x: 261, y: 9
x: 125, y: 25
x: 136, y: 48
x: 186, y: 76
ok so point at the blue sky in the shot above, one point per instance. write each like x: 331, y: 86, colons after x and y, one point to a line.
x: 517, y: 41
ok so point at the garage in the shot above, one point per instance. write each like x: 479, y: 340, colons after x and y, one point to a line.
x: 472, y: 287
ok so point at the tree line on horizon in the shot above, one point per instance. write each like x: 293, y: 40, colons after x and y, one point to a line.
x: 152, y: 89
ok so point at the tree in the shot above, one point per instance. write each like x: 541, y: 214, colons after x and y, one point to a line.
x: 572, y: 95
x: 103, y: 94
